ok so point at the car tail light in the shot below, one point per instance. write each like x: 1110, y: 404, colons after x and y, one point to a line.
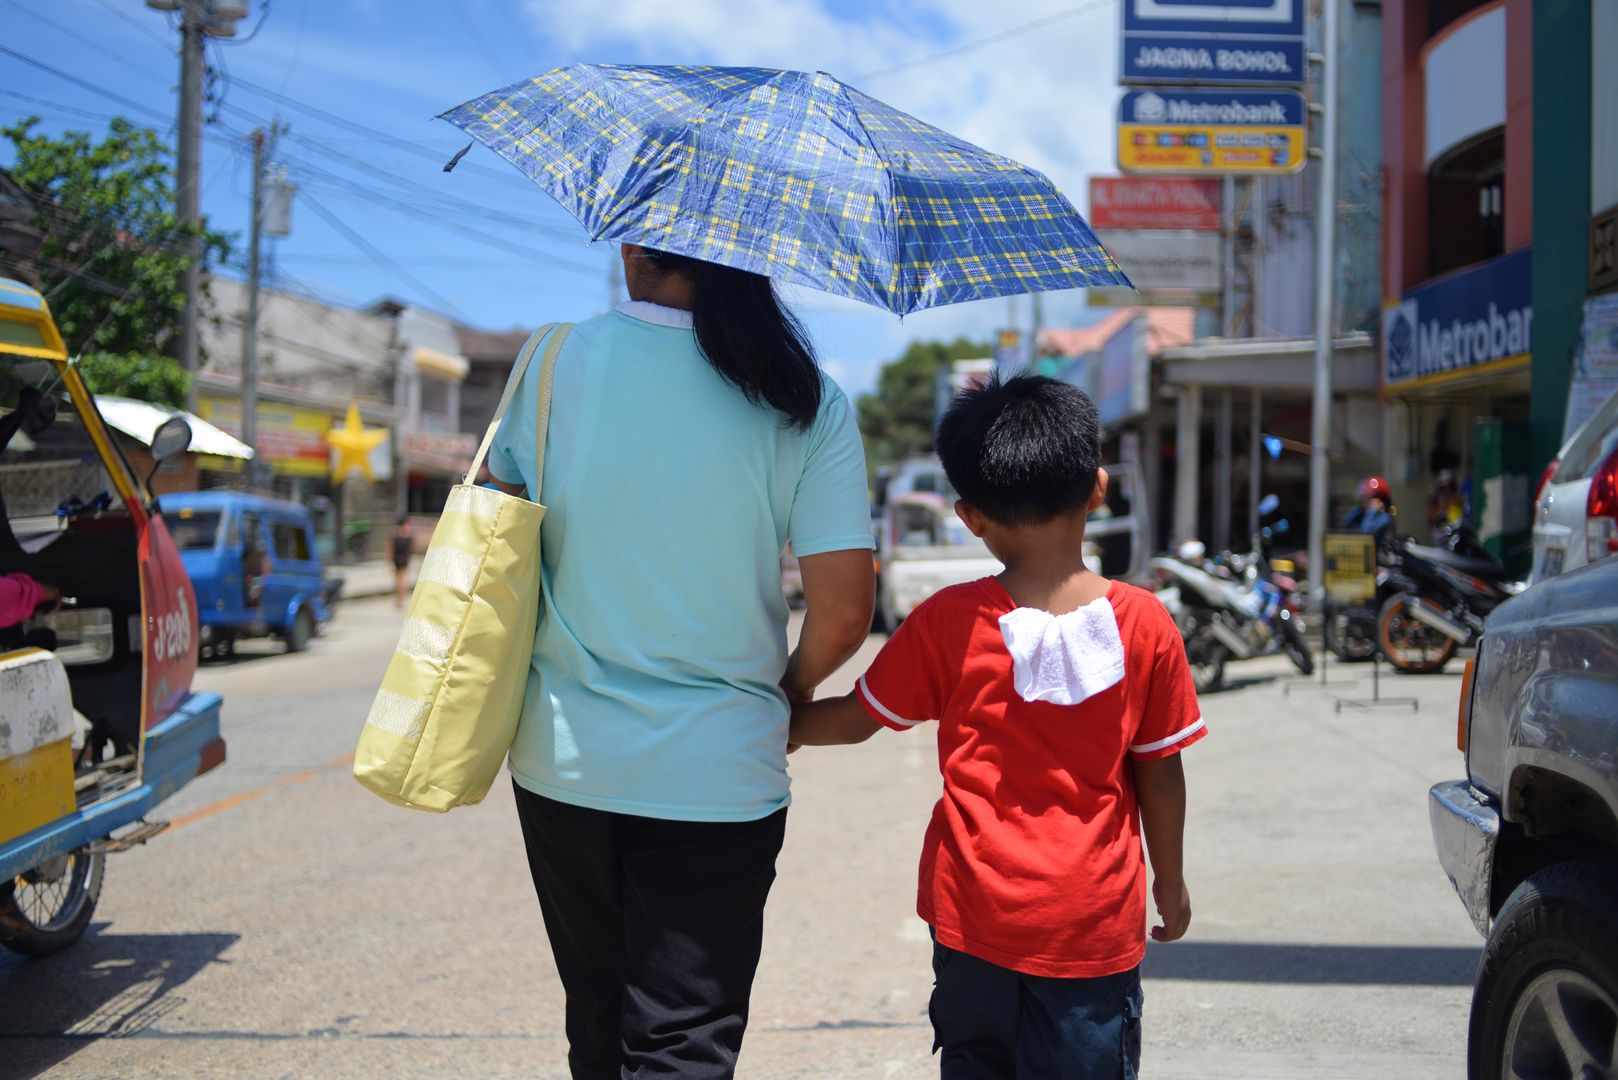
x: 1544, y: 482
x: 1463, y: 718
x: 1601, y: 511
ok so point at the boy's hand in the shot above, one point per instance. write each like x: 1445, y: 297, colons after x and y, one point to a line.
x: 1173, y: 901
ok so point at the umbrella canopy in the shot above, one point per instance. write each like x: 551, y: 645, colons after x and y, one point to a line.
x: 792, y: 175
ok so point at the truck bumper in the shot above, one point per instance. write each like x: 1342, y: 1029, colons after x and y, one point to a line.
x: 178, y: 750
x: 1465, y: 830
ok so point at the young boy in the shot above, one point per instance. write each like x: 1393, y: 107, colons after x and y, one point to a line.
x: 1062, y: 702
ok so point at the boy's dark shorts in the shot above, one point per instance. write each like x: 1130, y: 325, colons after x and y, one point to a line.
x: 990, y: 1021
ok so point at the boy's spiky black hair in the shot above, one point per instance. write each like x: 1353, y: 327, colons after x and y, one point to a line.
x: 1022, y: 451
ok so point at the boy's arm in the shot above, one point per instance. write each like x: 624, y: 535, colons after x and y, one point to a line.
x: 831, y: 722
x: 1160, y: 791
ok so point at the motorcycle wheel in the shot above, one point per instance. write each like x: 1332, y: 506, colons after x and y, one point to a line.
x: 1207, y: 659
x: 48, y: 908
x: 1409, y: 645
x: 1296, y: 648
x: 1350, y: 633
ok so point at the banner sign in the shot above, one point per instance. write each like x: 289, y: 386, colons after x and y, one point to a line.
x: 1110, y: 297
x: 1246, y: 132
x: 1166, y: 258
x: 1595, y: 367
x: 1350, y: 576
x: 1465, y: 323
x: 1124, y: 375
x: 1154, y: 202
x: 1202, y: 42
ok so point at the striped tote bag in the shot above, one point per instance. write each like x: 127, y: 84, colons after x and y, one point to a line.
x: 448, y: 707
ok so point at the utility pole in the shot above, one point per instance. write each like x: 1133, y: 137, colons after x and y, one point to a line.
x: 187, y: 208
x: 1325, y: 296
x: 250, y: 323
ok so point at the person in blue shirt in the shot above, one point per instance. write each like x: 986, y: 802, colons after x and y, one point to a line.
x: 692, y: 436
x: 1374, y: 515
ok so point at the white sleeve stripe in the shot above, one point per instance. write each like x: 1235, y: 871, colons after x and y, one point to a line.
x: 1146, y: 748
x: 865, y: 692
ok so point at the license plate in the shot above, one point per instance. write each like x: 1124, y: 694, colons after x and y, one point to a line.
x: 1553, y: 561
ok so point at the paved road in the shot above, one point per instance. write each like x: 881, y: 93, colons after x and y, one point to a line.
x: 292, y: 925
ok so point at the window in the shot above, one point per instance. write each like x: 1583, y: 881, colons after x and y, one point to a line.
x: 1440, y: 13
x: 193, y: 530
x: 1466, y: 204
x: 291, y: 541
x: 47, y: 460
x: 1592, y: 445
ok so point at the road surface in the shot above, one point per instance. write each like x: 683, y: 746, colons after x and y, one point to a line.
x: 293, y: 925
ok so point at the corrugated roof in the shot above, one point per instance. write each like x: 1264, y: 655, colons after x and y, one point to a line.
x: 1165, y: 329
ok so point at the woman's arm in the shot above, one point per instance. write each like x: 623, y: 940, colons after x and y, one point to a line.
x: 839, y: 588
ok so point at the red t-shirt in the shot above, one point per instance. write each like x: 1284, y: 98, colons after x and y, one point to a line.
x: 1033, y: 859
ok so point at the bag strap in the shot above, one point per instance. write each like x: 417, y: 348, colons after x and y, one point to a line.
x: 548, y: 373
x: 542, y: 425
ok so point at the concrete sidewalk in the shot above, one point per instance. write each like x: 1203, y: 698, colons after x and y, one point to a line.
x: 367, y: 579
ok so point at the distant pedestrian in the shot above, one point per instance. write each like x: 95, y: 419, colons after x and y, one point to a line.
x: 402, y: 547
x: 1062, y: 702
x: 1374, y: 515
x: 692, y: 435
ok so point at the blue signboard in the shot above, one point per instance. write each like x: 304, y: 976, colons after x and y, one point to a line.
x: 1461, y: 324
x: 1229, y: 42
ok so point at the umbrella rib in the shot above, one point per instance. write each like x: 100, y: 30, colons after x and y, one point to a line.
x: 892, y: 202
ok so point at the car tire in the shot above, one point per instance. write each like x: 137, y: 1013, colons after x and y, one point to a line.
x: 1546, y: 998
x: 301, y: 631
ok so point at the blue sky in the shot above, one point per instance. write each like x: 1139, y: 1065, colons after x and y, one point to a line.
x: 484, y: 243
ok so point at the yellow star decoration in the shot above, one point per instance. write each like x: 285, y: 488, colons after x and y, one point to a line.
x: 354, y: 443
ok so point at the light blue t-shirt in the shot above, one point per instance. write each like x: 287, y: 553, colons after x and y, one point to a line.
x: 662, y: 631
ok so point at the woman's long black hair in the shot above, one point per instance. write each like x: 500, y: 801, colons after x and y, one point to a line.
x: 749, y: 337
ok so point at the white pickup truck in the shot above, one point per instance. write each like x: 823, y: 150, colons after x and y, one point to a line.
x: 922, y: 546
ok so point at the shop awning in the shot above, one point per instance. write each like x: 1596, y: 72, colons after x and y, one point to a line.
x: 1272, y: 364
x: 141, y: 419
x: 441, y: 364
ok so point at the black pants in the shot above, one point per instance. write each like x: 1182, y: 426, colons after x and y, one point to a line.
x: 656, y: 927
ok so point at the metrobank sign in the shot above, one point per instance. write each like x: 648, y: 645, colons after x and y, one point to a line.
x: 1470, y: 323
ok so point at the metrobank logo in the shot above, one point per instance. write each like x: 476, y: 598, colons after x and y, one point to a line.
x: 1469, y: 320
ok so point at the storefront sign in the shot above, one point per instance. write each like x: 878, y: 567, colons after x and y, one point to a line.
x: 1198, y: 42
x: 291, y: 440
x: 1158, y: 259
x: 1154, y: 202
x: 1476, y: 320
x: 446, y: 453
x: 1247, y: 132
x: 1118, y: 298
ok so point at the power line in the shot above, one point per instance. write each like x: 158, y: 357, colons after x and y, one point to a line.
x: 992, y: 39
x: 138, y: 25
x: 97, y: 46
x: 382, y: 260
x: 476, y: 35
x: 104, y: 92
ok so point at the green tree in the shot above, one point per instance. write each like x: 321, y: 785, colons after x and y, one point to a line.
x: 112, y: 255
x: 897, y: 420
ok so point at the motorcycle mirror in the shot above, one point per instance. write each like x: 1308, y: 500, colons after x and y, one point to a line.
x: 1269, y: 504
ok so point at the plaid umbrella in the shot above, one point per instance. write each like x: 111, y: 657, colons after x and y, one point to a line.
x: 791, y: 175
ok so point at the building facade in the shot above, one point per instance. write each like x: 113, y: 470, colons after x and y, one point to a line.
x: 1458, y: 333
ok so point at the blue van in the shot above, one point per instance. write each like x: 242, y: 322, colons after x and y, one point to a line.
x: 254, y: 566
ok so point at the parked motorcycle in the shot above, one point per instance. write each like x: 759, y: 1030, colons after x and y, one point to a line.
x: 1350, y: 630
x: 1231, y: 608
x: 1440, y: 598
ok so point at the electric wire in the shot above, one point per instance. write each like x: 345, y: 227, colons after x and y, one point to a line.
x: 984, y: 42
x: 336, y: 222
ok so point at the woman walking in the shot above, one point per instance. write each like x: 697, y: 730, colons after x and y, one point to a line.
x: 401, y: 545
x: 692, y: 436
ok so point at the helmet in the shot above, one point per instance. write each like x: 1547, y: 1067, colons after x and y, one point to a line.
x: 1373, y: 487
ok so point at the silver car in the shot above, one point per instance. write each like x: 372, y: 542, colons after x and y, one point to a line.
x: 1576, y: 508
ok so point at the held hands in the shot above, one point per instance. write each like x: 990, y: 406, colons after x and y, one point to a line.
x: 50, y: 601
x: 796, y: 697
x: 1173, y: 902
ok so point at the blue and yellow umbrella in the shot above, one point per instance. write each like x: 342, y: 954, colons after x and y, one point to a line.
x: 792, y: 175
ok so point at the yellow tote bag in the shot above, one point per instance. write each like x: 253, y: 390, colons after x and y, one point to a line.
x: 448, y: 708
